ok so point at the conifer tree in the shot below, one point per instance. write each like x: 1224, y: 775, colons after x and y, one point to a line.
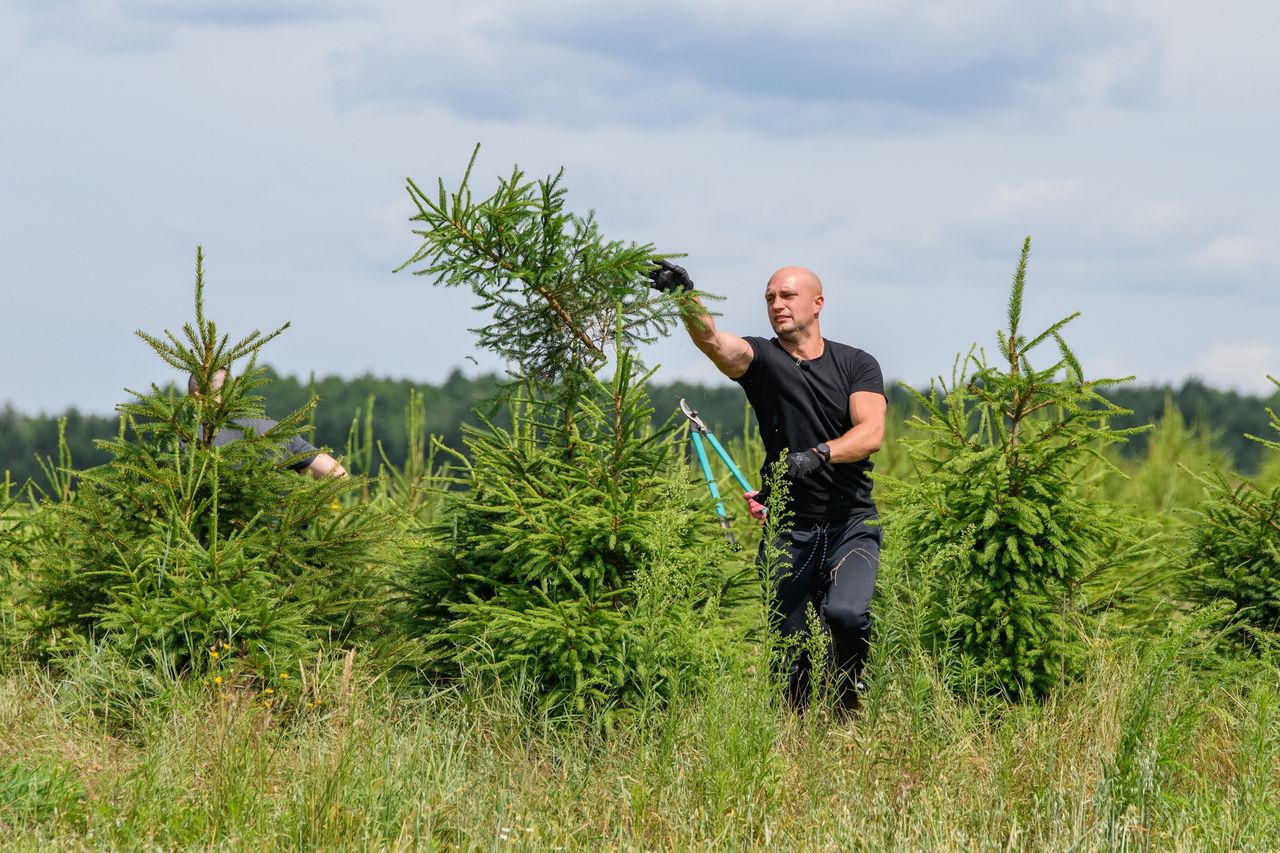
x: 580, y: 560
x: 596, y: 577
x: 182, y: 550
x: 1000, y: 463
x: 1235, y: 548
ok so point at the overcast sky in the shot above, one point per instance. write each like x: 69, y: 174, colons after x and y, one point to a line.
x: 901, y: 150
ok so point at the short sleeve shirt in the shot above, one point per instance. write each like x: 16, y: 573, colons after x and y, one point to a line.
x: 800, y: 404
x: 295, y: 445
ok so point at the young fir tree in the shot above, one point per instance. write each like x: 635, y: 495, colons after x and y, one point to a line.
x: 1000, y: 468
x: 579, y: 561
x: 181, y: 551
x: 1235, y: 549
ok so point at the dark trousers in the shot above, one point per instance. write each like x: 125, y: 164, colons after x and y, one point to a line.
x: 832, y: 566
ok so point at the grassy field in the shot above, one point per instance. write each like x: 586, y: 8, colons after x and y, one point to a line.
x: 1162, y: 745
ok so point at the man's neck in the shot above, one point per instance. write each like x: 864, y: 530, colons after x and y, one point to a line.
x: 809, y: 347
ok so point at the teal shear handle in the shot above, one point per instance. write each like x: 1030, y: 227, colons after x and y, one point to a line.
x: 698, y: 430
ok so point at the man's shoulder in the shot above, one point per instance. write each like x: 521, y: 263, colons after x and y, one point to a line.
x: 846, y: 349
x: 849, y: 355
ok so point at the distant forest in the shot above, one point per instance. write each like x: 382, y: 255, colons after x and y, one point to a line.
x: 26, y: 439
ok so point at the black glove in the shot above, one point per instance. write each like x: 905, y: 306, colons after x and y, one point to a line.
x: 667, y: 277
x: 804, y: 463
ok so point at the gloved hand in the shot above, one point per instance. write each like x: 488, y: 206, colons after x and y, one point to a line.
x: 667, y: 277
x: 758, y: 510
x: 803, y: 463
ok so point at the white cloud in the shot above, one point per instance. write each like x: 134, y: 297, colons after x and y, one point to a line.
x: 870, y: 66
x: 1243, y: 366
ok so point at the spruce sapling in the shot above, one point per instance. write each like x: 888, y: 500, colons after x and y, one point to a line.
x: 1235, y: 549
x: 184, y: 551
x: 1000, y: 464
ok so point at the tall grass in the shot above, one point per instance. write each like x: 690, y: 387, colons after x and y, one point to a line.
x: 1161, y: 745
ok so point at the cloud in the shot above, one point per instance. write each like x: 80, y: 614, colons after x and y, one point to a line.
x: 1242, y: 366
x: 239, y: 13
x: 874, y: 66
x: 142, y: 26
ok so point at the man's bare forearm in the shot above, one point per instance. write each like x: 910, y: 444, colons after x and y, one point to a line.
x: 857, y: 444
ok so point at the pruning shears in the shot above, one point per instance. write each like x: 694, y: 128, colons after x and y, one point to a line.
x: 697, y: 431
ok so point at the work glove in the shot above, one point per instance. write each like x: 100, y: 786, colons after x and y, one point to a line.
x: 803, y: 463
x: 669, y: 278
x: 758, y: 510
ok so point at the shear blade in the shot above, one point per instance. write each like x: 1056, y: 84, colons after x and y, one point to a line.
x: 692, y: 415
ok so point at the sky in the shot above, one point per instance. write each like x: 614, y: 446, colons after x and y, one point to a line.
x: 902, y: 150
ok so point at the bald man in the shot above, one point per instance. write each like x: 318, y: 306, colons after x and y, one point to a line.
x: 314, y: 462
x: 820, y: 406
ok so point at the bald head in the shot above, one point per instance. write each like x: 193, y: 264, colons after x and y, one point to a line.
x: 799, y: 278
x: 219, y: 379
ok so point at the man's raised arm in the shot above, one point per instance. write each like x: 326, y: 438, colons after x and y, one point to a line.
x: 729, y: 353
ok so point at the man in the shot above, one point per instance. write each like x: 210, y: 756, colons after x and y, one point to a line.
x: 822, y: 404
x: 319, y: 465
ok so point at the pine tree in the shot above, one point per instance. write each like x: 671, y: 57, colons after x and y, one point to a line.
x: 183, y: 551
x: 580, y: 560
x: 1000, y: 466
x: 1235, y: 548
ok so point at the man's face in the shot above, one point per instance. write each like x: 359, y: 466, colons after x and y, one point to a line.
x: 793, y: 304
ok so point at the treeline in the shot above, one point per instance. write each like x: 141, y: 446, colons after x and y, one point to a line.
x: 25, y: 440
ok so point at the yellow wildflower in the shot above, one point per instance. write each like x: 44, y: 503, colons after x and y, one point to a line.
x: 217, y: 679
x: 213, y: 653
x: 269, y: 691
x: 284, y: 675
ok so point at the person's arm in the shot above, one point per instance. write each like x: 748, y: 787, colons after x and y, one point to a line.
x: 323, y: 465
x: 866, y: 411
x: 730, y: 354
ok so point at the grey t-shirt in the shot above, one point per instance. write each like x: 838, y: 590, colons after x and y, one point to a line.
x: 293, y: 446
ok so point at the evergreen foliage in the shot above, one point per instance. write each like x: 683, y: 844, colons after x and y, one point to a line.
x: 578, y: 562
x: 1166, y: 484
x: 594, y: 576
x: 556, y: 290
x: 13, y: 561
x: 1235, y: 548
x: 999, y: 462
x: 177, y: 551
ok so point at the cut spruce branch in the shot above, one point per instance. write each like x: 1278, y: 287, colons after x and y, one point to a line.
x: 557, y: 292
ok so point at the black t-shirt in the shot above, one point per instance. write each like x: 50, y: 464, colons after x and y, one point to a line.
x: 293, y: 446
x: 799, y: 405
